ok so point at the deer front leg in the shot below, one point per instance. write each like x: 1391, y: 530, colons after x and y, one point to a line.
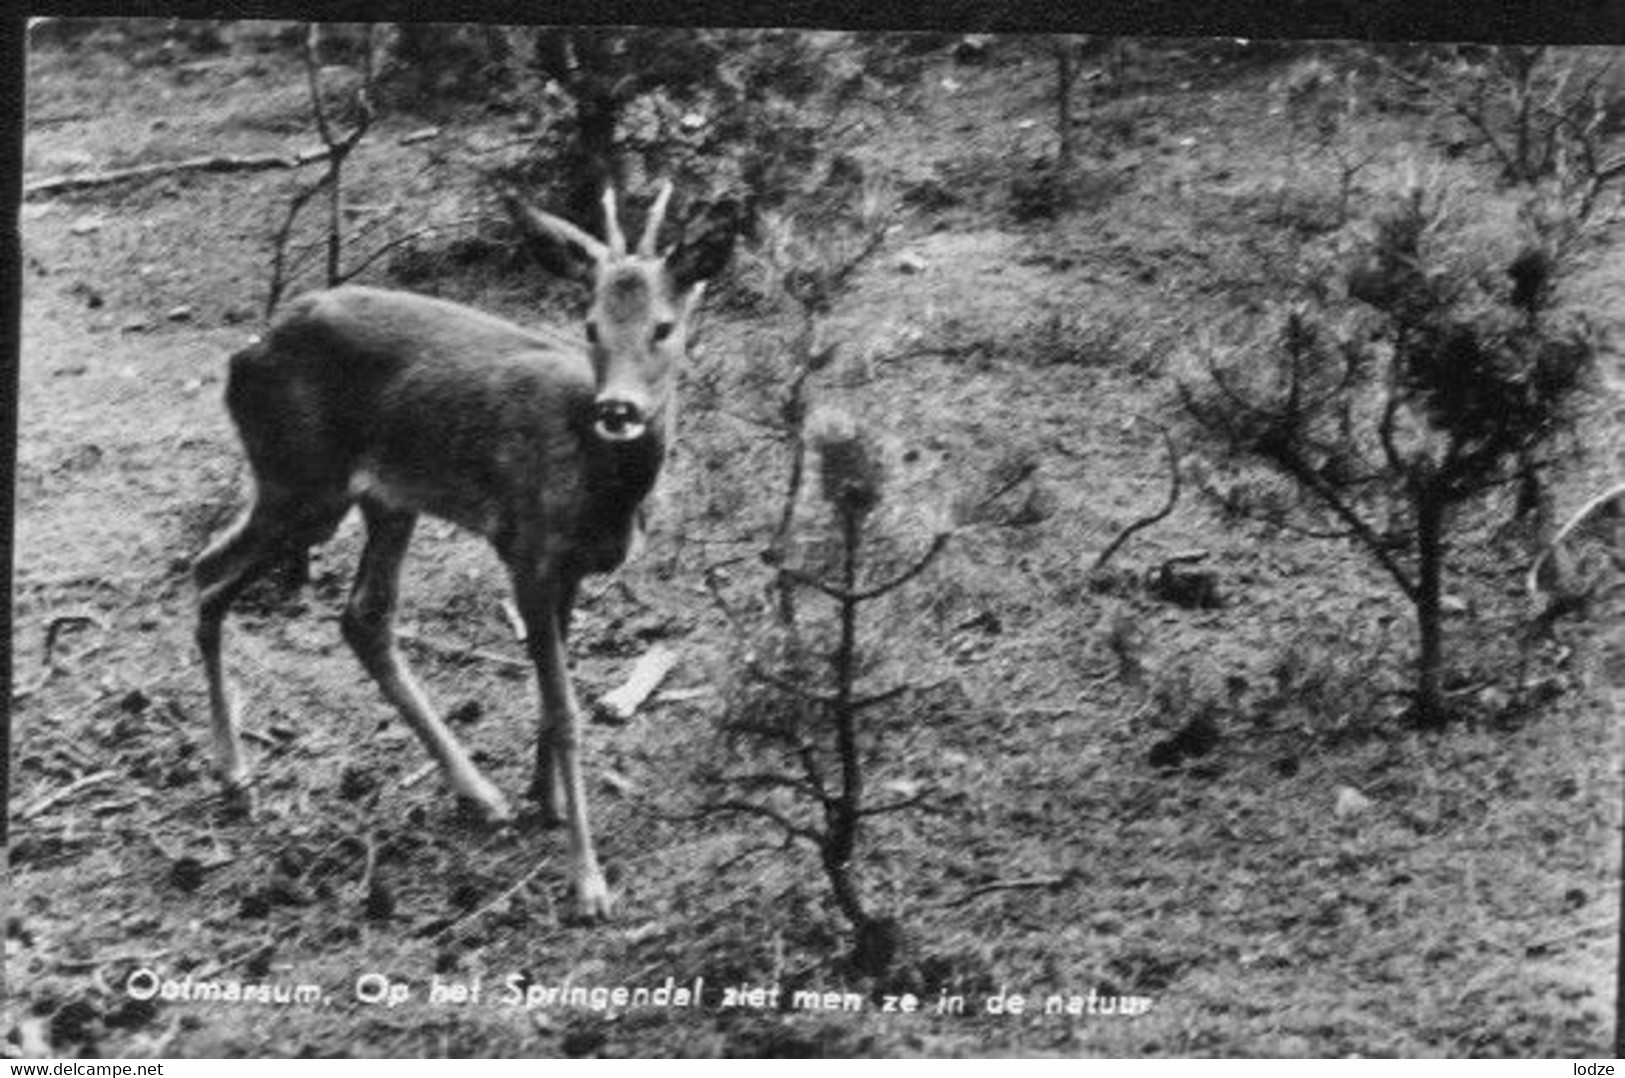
x: 544, y: 601
x: 367, y: 625
x: 547, y: 784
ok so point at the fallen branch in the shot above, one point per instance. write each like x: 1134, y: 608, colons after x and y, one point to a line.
x: 620, y: 704
x: 55, y: 185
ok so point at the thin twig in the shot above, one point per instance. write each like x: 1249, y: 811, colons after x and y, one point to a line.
x: 1574, y: 523
x: 1546, y: 943
x: 1023, y: 473
x: 450, y: 652
x: 788, y: 687
x: 770, y: 780
x: 1174, y: 485
x: 783, y: 822
x: 368, y: 872
x: 938, y: 543
x: 1007, y: 885
x: 70, y: 965
x: 400, y: 241
x: 208, y: 973
x: 20, y: 693
x: 1473, y: 116
x: 67, y: 791
x: 842, y: 595
x: 54, y: 628
x: 505, y: 895
x: 415, y: 777
x: 279, y: 243
x: 896, y: 806
x: 863, y: 703
x: 337, y: 150
x: 754, y: 851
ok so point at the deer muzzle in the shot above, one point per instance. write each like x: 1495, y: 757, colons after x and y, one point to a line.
x: 618, y: 420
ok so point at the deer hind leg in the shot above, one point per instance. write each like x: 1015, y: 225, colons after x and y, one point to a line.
x: 368, y: 628
x: 276, y: 523
x: 545, y: 600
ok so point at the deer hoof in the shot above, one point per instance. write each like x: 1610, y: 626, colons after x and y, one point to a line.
x: 238, y: 799
x: 593, y: 902
x: 486, y: 806
x: 549, y: 798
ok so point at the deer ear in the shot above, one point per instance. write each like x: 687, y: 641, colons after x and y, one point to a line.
x: 560, y: 247
x: 706, y: 246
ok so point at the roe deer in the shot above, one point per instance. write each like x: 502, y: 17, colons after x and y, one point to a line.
x: 543, y: 444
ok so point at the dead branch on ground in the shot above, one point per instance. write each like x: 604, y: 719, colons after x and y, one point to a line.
x: 260, y: 162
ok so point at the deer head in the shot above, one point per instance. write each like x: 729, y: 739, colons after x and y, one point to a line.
x: 637, y: 325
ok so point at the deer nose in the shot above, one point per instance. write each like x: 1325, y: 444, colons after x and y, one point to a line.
x: 618, y: 420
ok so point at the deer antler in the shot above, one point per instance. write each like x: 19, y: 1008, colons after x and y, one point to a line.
x: 651, y: 227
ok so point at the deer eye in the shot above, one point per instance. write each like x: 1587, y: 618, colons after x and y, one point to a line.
x: 663, y: 330
x: 592, y: 332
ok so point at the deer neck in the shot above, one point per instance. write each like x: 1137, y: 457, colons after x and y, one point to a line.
x: 617, y: 477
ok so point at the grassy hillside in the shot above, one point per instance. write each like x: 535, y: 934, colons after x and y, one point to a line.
x: 1320, y: 880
